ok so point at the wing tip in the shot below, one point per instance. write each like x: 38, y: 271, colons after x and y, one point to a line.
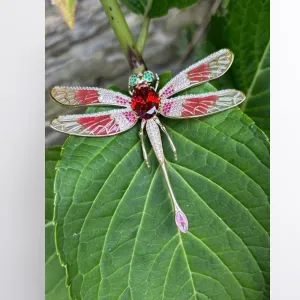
x: 237, y: 96
x: 54, y: 124
x: 226, y: 50
x: 58, y: 126
x: 241, y: 96
x: 55, y: 89
x: 53, y: 93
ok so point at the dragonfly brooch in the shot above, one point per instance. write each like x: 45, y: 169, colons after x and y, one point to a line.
x: 147, y: 103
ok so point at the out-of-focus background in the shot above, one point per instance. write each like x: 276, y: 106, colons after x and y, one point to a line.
x: 90, y: 55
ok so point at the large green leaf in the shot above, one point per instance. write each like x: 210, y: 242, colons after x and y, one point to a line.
x: 52, y: 155
x: 158, y: 8
x: 115, y: 228
x: 55, y: 274
x: 55, y: 287
x: 245, y: 29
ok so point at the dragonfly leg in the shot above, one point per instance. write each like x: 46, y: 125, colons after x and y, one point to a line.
x: 157, y: 82
x: 141, y: 134
x: 163, y: 128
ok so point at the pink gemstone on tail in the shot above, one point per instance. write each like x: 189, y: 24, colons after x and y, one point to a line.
x: 181, y: 221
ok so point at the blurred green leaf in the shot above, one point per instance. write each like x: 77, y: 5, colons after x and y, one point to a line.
x: 117, y: 89
x: 222, y: 9
x: 246, y: 31
x: 55, y: 288
x: 159, y: 8
x: 257, y: 103
x: 115, y: 225
x: 164, y: 78
x: 67, y: 9
x: 185, y: 37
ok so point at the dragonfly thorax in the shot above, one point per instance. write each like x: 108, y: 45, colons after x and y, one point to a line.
x: 145, y: 101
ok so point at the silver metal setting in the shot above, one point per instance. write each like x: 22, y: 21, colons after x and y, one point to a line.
x: 141, y: 134
x: 175, y: 203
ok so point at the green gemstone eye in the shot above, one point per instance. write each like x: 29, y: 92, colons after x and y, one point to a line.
x: 148, y: 76
x: 133, y: 80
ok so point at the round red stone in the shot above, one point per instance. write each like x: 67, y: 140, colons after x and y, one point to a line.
x: 145, y: 101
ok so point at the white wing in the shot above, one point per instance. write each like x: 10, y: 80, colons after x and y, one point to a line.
x: 211, y: 67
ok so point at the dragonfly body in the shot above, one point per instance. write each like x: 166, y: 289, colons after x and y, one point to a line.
x: 147, y: 103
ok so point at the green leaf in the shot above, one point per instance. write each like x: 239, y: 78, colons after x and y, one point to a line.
x: 257, y: 103
x: 164, y: 78
x: 158, y: 8
x: 55, y: 274
x: 115, y: 225
x: 67, y: 10
x: 52, y: 156
x: 117, y: 89
x: 246, y: 31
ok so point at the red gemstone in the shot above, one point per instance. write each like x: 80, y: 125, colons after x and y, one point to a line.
x: 145, y: 101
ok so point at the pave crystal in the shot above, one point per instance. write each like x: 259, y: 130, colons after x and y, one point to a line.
x: 181, y: 221
x: 145, y: 101
x: 155, y: 139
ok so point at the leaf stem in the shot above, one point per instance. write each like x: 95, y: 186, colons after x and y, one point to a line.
x: 141, y: 40
x: 123, y: 33
x: 140, y: 43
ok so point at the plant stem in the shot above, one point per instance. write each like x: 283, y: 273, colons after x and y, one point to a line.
x: 123, y: 33
x: 140, y: 43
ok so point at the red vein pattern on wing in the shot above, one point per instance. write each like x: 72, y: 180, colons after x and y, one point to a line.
x: 81, y: 96
x: 96, y: 124
x: 209, y: 68
x: 200, y: 105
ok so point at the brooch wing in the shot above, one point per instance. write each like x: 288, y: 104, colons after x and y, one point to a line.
x: 209, y: 68
x: 96, y: 124
x: 88, y: 96
x: 187, y: 106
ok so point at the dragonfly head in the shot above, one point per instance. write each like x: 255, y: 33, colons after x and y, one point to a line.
x: 145, y: 78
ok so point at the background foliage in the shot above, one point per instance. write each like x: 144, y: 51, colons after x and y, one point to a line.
x: 245, y: 29
x: 114, y: 224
